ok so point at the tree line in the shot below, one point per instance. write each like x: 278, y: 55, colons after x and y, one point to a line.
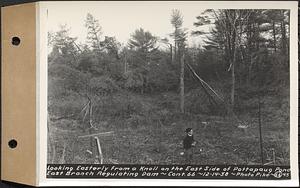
x: 245, y: 50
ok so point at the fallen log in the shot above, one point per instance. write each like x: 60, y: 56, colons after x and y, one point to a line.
x: 203, y: 84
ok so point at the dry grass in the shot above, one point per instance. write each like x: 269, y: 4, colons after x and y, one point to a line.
x: 153, y: 135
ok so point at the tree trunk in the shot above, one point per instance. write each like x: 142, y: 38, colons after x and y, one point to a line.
x: 233, y: 75
x: 171, y: 51
x: 175, y: 52
x: 283, y: 38
x: 233, y: 84
x: 284, y: 49
x: 257, y: 37
x: 249, y: 71
x: 125, y: 63
x: 233, y: 55
x: 274, y: 36
x: 182, y: 84
x: 176, y: 48
x: 284, y: 41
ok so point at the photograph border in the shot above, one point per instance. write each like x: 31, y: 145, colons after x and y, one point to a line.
x: 42, y: 106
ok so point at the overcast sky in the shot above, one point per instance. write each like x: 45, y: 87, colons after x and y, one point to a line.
x: 121, y: 19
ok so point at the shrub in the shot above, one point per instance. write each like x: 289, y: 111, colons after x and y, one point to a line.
x: 69, y: 77
x: 103, y: 85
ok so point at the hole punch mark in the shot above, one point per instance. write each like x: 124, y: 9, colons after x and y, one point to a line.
x: 16, y: 41
x: 12, y: 143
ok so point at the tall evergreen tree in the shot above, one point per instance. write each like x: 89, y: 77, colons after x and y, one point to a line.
x: 179, y: 36
x: 94, y: 32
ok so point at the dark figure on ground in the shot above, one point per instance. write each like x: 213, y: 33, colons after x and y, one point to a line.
x: 188, y: 145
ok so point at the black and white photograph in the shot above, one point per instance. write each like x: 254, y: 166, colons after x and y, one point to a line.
x: 168, y: 83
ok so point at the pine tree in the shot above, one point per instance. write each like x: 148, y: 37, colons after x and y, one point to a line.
x: 179, y: 36
x: 94, y: 32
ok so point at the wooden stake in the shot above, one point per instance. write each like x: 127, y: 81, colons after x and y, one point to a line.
x: 274, y: 158
x: 260, y: 133
x: 100, y: 155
